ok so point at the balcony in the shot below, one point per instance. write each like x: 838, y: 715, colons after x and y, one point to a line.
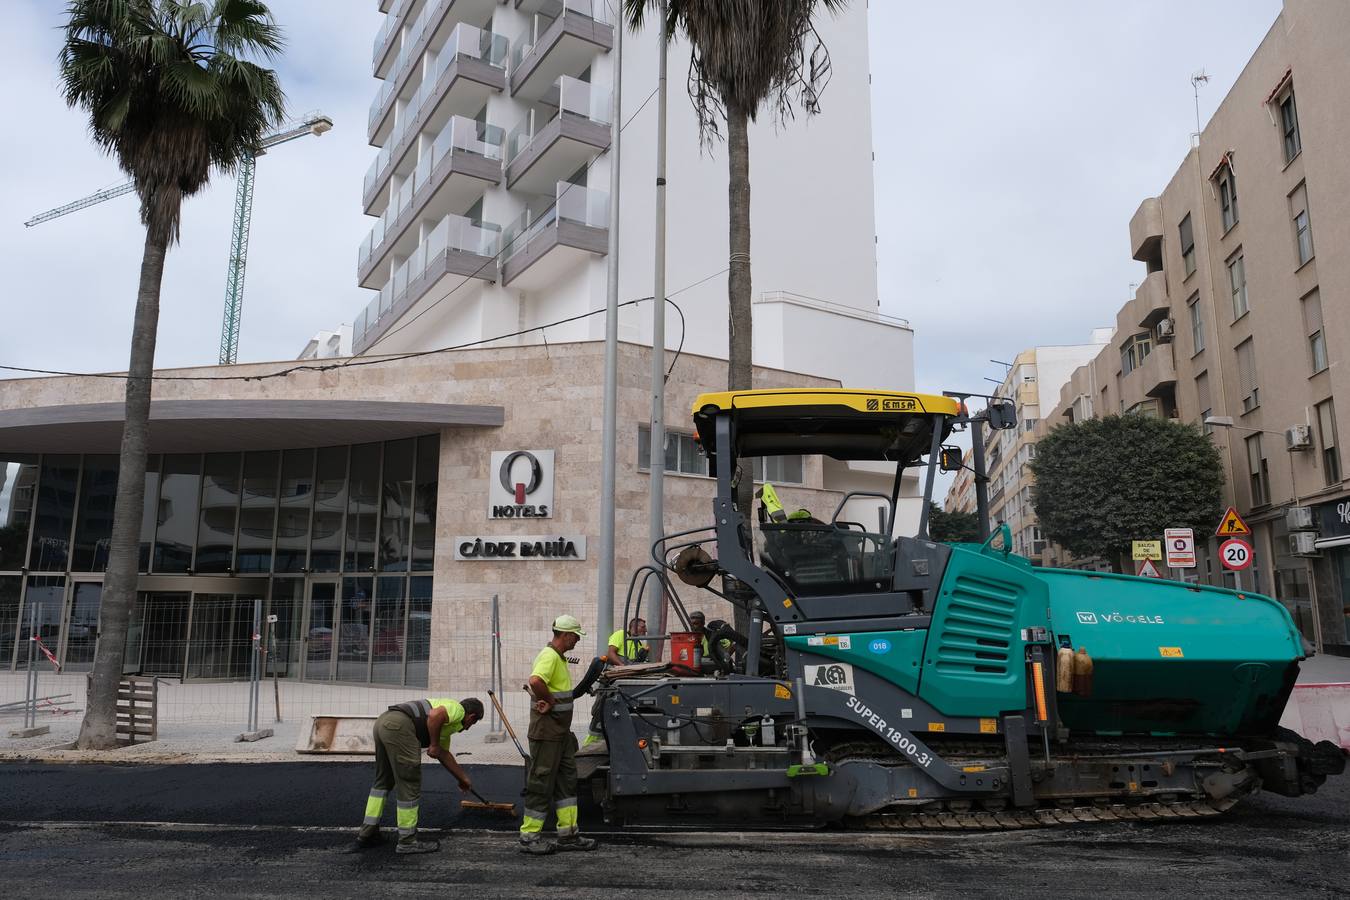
x: 553, y: 234
x: 1149, y: 303
x: 455, y: 246
x: 561, y: 39
x: 559, y: 135
x: 431, y: 28
x: 1154, y: 376
x: 396, y: 13
x: 463, y: 160
x: 1146, y: 230
x: 469, y: 68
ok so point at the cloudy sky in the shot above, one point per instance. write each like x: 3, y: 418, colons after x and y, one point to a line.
x: 1012, y: 147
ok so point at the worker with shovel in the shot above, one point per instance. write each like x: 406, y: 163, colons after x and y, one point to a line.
x: 552, y: 778
x: 400, y: 734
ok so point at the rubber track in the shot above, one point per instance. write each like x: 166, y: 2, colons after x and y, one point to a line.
x: 958, y: 816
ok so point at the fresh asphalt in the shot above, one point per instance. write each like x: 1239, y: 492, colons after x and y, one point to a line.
x: 276, y: 830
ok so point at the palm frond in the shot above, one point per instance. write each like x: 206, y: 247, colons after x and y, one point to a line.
x: 172, y: 90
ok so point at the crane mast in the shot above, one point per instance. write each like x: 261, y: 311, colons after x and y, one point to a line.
x: 315, y: 123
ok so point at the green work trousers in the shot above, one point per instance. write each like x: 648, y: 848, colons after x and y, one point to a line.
x: 398, y: 767
x: 551, y: 784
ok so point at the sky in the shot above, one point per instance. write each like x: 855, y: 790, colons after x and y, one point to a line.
x: 1013, y: 143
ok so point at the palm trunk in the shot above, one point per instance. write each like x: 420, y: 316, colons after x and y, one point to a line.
x: 99, y: 729
x: 740, y: 362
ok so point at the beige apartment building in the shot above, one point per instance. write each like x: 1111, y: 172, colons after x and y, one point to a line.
x: 1242, y: 322
x: 1033, y: 383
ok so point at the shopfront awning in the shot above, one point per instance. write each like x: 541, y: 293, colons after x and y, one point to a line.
x: 192, y: 426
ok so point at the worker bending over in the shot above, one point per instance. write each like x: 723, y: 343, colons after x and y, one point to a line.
x: 552, y: 778
x: 401, y: 732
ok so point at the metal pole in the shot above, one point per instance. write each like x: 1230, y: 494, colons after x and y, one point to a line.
x: 492, y: 652
x: 604, y: 618
x: 254, y: 681
x: 656, y: 527
x: 272, y: 655
x: 30, y: 679
x: 981, y: 483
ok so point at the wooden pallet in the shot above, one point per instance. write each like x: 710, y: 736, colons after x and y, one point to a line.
x: 137, y: 710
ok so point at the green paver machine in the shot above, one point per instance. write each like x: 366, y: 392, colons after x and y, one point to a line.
x: 898, y: 682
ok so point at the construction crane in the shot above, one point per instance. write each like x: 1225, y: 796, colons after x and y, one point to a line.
x: 315, y: 123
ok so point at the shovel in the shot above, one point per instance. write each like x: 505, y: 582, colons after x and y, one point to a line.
x: 509, y: 730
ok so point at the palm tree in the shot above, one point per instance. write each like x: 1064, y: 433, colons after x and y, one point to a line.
x: 172, y: 94
x: 746, y: 55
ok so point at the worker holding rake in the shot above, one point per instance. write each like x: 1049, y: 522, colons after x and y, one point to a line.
x: 401, y: 732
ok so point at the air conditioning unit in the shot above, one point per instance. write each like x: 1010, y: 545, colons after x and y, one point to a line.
x: 1298, y: 437
x: 1299, y: 518
x: 1164, y: 331
x: 1303, y: 543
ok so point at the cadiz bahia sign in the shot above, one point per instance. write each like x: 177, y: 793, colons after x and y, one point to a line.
x: 520, y: 484
x: 476, y: 548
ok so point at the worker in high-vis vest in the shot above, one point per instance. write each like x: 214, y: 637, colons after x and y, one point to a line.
x: 401, y: 732
x: 624, y: 648
x: 552, y: 779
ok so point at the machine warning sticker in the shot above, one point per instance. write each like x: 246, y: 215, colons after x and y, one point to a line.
x: 989, y: 726
x: 1171, y: 651
x: 781, y: 692
x: 937, y: 726
x: 790, y: 628
x: 836, y: 676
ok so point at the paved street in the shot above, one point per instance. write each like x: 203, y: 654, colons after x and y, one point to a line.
x: 276, y: 830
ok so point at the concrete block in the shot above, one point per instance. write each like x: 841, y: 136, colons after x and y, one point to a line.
x: 35, y: 731
x: 251, y: 736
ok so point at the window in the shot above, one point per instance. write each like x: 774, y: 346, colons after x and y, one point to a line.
x: 1326, y: 428
x: 779, y: 469
x: 1246, y: 360
x: 682, y: 452
x: 1312, y: 326
x: 1133, y: 352
x: 1029, y: 425
x: 1258, y: 471
x: 1228, y: 201
x: 1293, y: 143
x: 1197, y: 325
x: 1237, y: 283
x: 1151, y: 408
x: 1203, y: 402
x: 1298, y: 211
x: 1187, y: 244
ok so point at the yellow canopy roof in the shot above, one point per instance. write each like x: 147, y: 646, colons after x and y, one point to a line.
x: 836, y: 422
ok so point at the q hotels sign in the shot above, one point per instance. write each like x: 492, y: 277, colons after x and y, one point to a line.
x: 520, y: 486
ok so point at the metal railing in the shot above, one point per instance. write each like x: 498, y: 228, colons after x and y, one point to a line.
x: 550, y: 12
x: 466, y: 42
x: 569, y: 203
x: 451, y: 233
x: 391, y: 22
x: 406, y: 58
x: 460, y: 133
x: 567, y: 96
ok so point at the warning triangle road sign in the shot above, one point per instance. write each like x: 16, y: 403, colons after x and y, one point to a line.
x: 1148, y: 570
x: 1232, y: 525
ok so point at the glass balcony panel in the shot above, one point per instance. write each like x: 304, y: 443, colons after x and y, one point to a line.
x: 373, y: 311
x: 436, y: 239
x: 519, y: 137
x: 582, y: 205
x: 581, y: 98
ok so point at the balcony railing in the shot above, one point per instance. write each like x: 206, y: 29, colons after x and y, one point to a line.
x: 406, y: 57
x: 467, y: 42
x: 451, y: 233
x: 568, y: 97
x: 570, y: 203
x: 391, y: 24
x: 549, y: 13
x: 459, y: 134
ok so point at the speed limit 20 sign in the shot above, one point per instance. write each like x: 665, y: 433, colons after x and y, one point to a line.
x: 1235, y: 554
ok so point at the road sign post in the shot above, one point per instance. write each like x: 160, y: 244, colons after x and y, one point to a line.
x: 1235, y: 553
x: 1180, y: 546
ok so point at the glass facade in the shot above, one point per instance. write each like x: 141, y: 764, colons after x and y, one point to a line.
x: 325, y: 539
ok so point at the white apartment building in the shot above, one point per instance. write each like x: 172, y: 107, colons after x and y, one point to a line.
x: 1033, y: 382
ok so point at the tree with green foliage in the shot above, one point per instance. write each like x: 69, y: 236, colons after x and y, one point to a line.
x: 1103, y: 483
x: 172, y: 92
x: 953, y: 527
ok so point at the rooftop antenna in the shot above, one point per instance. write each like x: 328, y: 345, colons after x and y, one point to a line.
x: 1197, y: 79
